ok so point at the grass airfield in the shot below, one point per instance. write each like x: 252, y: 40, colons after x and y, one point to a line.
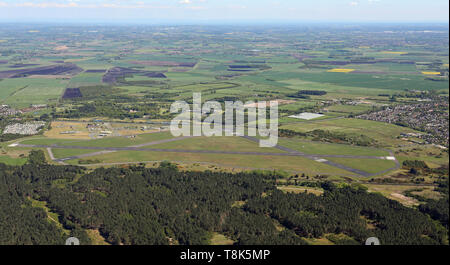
x: 213, y: 153
x: 221, y: 152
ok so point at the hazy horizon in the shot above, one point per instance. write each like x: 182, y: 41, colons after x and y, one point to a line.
x: 224, y: 12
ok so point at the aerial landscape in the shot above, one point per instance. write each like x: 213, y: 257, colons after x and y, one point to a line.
x: 86, y: 148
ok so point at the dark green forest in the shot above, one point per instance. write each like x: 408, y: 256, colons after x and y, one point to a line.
x: 163, y: 206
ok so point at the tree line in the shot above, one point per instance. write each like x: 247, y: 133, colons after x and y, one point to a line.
x: 145, y: 206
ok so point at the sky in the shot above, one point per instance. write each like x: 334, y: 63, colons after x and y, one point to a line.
x: 154, y: 11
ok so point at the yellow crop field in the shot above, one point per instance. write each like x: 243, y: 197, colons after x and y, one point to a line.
x: 397, y: 53
x: 341, y: 70
x: 431, y: 73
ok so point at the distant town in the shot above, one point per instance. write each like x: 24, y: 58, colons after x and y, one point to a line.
x: 432, y: 118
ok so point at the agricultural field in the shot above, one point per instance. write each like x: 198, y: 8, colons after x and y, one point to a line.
x: 23, y: 92
x: 106, y: 101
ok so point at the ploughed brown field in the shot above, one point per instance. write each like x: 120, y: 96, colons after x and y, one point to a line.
x: 164, y: 63
x: 65, y: 69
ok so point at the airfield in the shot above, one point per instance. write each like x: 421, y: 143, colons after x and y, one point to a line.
x: 295, y: 156
x: 136, y: 143
x: 319, y: 162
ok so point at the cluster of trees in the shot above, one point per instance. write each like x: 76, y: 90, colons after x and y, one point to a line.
x: 20, y: 222
x: 350, y: 211
x: 437, y: 209
x: 312, y: 92
x: 415, y: 166
x: 339, y: 137
x: 95, y: 92
x: 418, y: 167
x: 138, y: 205
x: 305, y: 94
x: 37, y: 157
x: 128, y: 206
x: 89, y: 161
x: 113, y: 104
x: 112, y: 110
x: 290, y: 133
x: 9, y: 137
x: 411, y: 94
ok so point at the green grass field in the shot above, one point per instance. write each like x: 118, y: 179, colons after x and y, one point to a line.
x: 237, y: 144
x: 104, y: 142
x: 388, y: 81
x: 368, y: 165
x: 12, y: 161
x: 320, y: 148
x: 86, y: 79
x: 21, y: 92
x: 47, y: 141
x: 348, y: 109
x: 220, y: 240
x: 386, y: 134
x: 294, y: 164
x: 63, y: 153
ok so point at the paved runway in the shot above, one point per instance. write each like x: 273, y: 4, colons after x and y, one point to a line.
x: 287, y: 152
